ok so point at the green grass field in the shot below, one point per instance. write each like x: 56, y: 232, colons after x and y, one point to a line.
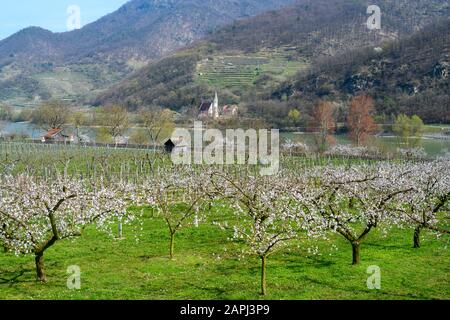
x: 437, y: 128
x: 207, y: 266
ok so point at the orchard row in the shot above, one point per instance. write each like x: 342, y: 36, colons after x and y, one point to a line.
x: 268, y: 211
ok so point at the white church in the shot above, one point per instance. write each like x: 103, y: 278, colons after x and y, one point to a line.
x: 213, y: 111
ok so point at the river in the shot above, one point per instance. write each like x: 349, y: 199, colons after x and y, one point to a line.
x: 432, y: 146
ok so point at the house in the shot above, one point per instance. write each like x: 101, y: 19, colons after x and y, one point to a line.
x: 57, y: 135
x: 121, y: 140
x: 230, y: 111
x: 169, y: 146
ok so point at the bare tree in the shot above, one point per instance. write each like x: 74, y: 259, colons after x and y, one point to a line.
x: 6, y: 112
x: 158, y: 123
x: 323, y: 125
x: 79, y: 119
x: 115, y: 120
x: 360, y: 121
x: 52, y: 114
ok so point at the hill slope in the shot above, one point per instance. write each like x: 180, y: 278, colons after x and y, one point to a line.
x: 408, y: 76
x: 104, y: 51
x: 250, y: 58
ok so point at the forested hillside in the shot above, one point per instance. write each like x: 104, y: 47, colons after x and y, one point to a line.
x: 257, y: 59
x: 36, y: 62
x: 409, y: 76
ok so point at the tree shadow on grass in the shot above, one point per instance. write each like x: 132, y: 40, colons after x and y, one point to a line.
x: 389, y: 246
x: 311, y: 262
x: 378, y: 294
x: 13, y: 277
x: 213, y: 292
x: 148, y: 257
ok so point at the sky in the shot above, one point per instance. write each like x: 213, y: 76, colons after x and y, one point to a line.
x: 16, y: 15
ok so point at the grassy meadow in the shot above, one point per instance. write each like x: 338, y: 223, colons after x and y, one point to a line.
x: 207, y: 266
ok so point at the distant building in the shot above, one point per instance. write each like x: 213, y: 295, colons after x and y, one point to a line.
x: 57, y: 135
x: 204, y: 109
x: 210, y: 109
x: 122, y: 140
x: 169, y: 146
x: 178, y: 145
x: 230, y: 111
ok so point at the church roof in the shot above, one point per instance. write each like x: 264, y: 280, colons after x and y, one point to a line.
x: 205, y: 106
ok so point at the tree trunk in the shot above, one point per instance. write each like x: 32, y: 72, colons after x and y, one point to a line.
x: 39, y: 259
x: 172, y: 245
x: 120, y: 230
x: 263, y: 275
x: 417, y: 236
x: 356, y: 252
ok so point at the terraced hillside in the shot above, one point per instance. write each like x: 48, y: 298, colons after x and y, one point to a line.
x: 234, y: 71
x: 114, y: 46
x: 248, y: 60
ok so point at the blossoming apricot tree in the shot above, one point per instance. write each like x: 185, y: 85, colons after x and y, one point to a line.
x: 355, y: 200
x: 429, y: 200
x: 267, y: 216
x: 35, y: 214
x: 179, y: 198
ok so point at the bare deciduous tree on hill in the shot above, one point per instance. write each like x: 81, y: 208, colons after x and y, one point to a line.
x: 323, y: 125
x: 360, y: 121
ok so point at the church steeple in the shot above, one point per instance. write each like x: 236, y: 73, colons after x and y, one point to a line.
x: 215, y: 107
